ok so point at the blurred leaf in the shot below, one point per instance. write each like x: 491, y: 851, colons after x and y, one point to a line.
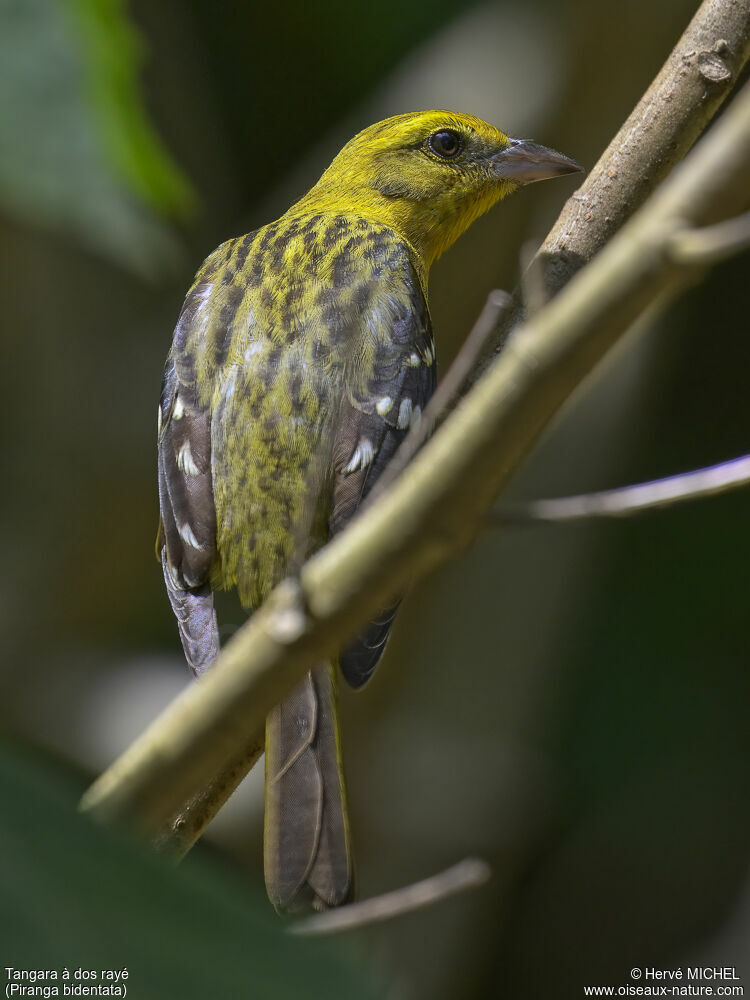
x: 113, y: 51
x: 74, y: 895
x: 76, y: 150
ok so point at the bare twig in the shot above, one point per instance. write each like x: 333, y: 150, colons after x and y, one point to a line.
x: 683, y: 98
x: 712, y: 243
x: 437, y: 506
x: 689, y: 89
x: 182, y: 830
x: 533, y: 292
x: 467, y: 874
x: 628, y: 500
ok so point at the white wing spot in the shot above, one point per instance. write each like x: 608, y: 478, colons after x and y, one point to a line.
x: 414, y: 360
x: 186, y: 462
x: 363, y: 455
x: 384, y: 405
x: 178, y: 410
x: 429, y: 353
x: 416, y: 416
x: 186, y: 534
x: 203, y: 296
x: 404, y: 414
x: 255, y: 347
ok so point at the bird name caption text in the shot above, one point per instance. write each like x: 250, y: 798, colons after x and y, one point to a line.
x: 65, y: 982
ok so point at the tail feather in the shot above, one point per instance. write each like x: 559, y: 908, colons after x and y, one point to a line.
x: 359, y: 659
x: 196, y: 619
x: 306, y: 843
x: 331, y: 873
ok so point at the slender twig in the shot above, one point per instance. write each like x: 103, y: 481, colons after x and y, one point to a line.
x: 533, y: 292
x: 666, y: 122
x: 712, y: 243
x: 436, y: 507
x: 691, y: 86
x: 182, y: 830
x: 627, y: 500
x: 467, y: 874
x: 693, y: 83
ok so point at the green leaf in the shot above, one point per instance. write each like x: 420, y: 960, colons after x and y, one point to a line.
x: 112, y: 54
x: 76, y: 150
x: 76, y: 896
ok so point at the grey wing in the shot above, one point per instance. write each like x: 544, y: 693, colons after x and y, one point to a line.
x: 371, y: 427
x: 187, y: 531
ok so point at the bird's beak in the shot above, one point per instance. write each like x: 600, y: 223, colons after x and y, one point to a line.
x: 523, y: 162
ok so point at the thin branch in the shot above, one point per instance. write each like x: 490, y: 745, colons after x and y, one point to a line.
x: 533, y: 291
x: 694, y: 82
x: 467, y: 874
x: 436, y: 507
x: 629, y: 500
x: 712, y: 243
x: 691, y: 86
x: 185, y: 828
x: 614, y: 195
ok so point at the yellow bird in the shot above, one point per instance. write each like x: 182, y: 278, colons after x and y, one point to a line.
x: 302, y: 356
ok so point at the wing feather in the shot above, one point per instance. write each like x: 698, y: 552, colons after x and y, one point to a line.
x: 187, y: 533
x: 372, y: 424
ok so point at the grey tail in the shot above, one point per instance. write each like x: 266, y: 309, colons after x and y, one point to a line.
x: 307, y: 851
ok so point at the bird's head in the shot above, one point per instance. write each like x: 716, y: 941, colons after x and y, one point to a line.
x: 429, y: 174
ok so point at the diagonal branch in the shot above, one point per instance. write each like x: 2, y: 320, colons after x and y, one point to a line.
x: 184, y: 828
x: 685, y: 95
x: 712, y: 243
x: 467, y: 874
x: 693, y: 83
x: 436, y: 508
x: 691, y: 86
x: 628, y: 500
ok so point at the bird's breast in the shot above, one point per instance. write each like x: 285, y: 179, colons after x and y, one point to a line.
x: 286, y: 327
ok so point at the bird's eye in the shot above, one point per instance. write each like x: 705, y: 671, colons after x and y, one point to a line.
x: 445, y: 143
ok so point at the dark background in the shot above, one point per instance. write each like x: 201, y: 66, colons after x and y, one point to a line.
x: 568, y: 702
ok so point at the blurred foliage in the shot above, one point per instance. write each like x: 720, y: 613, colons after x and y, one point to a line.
x: 76, y: 149
x: 77, y: 896
x: 568, y: 702
x: 113, y: 54
x: 274, y: 57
